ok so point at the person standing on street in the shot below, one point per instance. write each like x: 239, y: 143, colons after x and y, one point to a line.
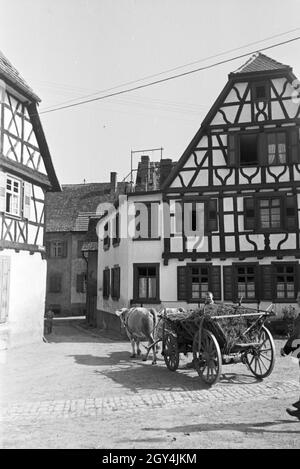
x: 292, y: 346
x: 49, y: 315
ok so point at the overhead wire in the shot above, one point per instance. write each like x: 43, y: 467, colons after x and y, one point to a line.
x: 163, y: 80
x: 170, y: 70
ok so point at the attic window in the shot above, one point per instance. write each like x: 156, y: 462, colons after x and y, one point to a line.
x: 260, y: 91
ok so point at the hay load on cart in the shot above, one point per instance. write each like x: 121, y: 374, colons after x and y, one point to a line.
x: 217, y: 335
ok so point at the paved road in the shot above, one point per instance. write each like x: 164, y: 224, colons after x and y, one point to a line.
x: 82, y: 390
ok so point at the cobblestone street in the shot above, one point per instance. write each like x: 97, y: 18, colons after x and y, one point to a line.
x: 81, y: 390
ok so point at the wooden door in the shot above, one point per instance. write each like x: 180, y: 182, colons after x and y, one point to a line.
x: 4, y: 287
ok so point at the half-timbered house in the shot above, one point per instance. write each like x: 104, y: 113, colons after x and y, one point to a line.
x: 26, y: 173
x: 231, y: 204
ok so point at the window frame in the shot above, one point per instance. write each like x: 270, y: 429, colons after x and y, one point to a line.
x: 146, y: 300
x: 138, y: 232
x: 295, y: 266
x: 235, y: 266
x: 11, y: 192
x: 254, y: 87
x: 56, y: 278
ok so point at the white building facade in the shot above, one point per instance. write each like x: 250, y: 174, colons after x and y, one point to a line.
x: 26, y: 173
x: 230, y: 218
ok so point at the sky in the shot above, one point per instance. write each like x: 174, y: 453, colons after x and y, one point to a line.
x: 70, y: 49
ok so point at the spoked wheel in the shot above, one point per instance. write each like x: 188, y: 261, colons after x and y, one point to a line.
x: 207, y: 357
x: 260, y: 360
x: 170, y: 351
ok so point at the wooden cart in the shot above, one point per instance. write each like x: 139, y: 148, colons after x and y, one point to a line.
x: 218, y: 339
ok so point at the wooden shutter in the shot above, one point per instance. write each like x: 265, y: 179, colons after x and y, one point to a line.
x: 2, y: 191
x: 65, y: 249
x: 291, y: 221
x: 182, y: 284
x: 266, y: 282
x: 48, y: 248
x: 249, y: 213
x: 215, y: 280
x: 115, y: 283
x: 228, y: 281
x: 4, y: 287
x: 211, y: 222
x: 26, y: 200
x: 232, y: 149
x: 262, y: 149
x: 294, y: 145
x: 106, y: 283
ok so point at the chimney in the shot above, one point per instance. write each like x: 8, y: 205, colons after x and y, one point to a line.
x: 142, y: 177
x: 113, y: 182
x: 166, y: 166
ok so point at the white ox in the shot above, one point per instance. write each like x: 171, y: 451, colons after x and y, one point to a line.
x: 139, y: 324
x: 144, y: 324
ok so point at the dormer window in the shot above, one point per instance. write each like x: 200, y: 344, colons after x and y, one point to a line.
x: 260, y: 91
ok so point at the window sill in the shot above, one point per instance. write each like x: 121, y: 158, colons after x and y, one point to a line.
x: 145, y: 301
x: 147, y: 239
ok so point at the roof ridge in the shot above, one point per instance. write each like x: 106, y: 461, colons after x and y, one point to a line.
x: 9, y: 71
x: 259, y: 62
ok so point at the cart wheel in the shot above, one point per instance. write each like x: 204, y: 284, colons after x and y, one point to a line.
x: 170, y: 351
x: 260, y: 360
x: 207, y: 357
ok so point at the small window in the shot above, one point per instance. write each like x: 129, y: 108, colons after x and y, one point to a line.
x: 245, y: 282
x: 81, y: 283
x: 260, y: 91
x: 55, y: 283
x: 146, y: 283
x: 248, y: 149
x: 276, y: 148
x: 285, y: 281
x: 199, y: 282
x: 58, y: 248
x: 13, y: 196
x: 270, y: 213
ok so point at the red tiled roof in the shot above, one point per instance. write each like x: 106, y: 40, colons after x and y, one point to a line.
x: 259, y: 62
x: 10, y: 73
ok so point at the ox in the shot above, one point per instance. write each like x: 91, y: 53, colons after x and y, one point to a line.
x: 139, y: 324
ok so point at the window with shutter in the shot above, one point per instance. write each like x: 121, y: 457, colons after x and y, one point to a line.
x: 245, y: 282
x: 146, y: 283
x: 285, y: 281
